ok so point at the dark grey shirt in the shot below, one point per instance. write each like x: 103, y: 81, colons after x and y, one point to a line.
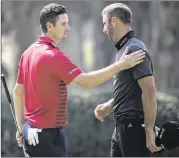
x: 126, y: 91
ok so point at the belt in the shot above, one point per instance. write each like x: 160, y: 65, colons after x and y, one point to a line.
x: 129, y: 119
x: 44, y: 129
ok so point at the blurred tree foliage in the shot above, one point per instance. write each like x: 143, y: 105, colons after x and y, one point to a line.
x: 155, y: 22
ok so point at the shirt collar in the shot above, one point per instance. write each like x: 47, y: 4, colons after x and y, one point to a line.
x: 124, y: 39
x: 45, y: 39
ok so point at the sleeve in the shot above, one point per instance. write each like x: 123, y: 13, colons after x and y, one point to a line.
x: 143, y: 69
x: 63, y: 68
x: 20, y: 74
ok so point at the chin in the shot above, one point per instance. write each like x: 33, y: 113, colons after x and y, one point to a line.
x: 109, y: 38
x: 64, y: 38
x: 112, y: 39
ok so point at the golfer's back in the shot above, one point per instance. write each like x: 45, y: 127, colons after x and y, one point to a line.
x: 45, y: 92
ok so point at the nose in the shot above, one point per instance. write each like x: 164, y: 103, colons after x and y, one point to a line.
x: 69, y: 28
x: 104, y: 30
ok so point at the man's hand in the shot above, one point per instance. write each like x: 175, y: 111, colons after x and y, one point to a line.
x: 150, y: 141
x: 128, y: 61
x: 33, y: 136
x: 19, y: 139
x: 102, y: 111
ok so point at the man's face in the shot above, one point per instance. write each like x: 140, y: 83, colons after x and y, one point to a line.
x: 108, y: 29
x: 61, y: 28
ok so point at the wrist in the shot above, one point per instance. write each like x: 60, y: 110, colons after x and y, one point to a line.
x: 20, y: 129
x: 108, y: 107
x: 118, y: 67
x: 149, y: 129
x: 107, y: 104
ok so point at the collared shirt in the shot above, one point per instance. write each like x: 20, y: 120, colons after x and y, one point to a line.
x: 45, y: 71
x: 127, y: 93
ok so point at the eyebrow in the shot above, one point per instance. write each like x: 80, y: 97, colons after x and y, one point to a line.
x: 65, y: 21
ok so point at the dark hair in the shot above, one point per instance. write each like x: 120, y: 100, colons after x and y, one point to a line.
x: 50, y: 14
x: 120, y: 11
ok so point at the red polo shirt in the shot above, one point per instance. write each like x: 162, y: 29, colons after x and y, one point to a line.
x: 45, y: 71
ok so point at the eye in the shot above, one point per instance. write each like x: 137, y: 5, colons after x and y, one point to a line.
x: 64, y: 23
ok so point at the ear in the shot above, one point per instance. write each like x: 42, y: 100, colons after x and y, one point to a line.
x: 49, y: 26
x: 114, y: 21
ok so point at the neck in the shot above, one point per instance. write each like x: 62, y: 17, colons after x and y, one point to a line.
x: 123, y: 31
x: 55, y: 42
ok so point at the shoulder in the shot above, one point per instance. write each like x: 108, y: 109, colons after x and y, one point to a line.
x: 50, y: 51
x: 25, y: 54
x: 135, y: 44
x: 57, y: 56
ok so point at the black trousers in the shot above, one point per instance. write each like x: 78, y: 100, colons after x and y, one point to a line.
x: 52, y: 142
x: 129, y: 140
x: 167, y: 153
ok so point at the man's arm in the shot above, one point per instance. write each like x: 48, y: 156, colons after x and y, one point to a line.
x: 18, y: 96
x: 107, y: 107
x: 147, y: 85
x: 94, y: 78
x: 143, y: 73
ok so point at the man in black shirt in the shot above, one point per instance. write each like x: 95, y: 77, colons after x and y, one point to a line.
x: 134, y: 103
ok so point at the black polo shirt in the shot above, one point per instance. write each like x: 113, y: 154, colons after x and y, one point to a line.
x: 126, y: 91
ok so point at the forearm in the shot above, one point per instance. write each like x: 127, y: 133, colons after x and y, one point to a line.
x: 150, y: 109
x: 108, y: 106
x: 110, y: 103
x: 98, y: 77
x: 19, y: 110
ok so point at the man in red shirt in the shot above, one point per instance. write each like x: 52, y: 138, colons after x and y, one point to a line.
x: 40, y: 93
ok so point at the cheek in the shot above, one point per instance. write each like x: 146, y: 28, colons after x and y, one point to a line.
x: 59, y: 31
x: 62, y: 29
x: 110, y: 29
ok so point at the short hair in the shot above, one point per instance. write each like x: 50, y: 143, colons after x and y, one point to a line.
x: 120, y: 11
x: 50, y: 14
